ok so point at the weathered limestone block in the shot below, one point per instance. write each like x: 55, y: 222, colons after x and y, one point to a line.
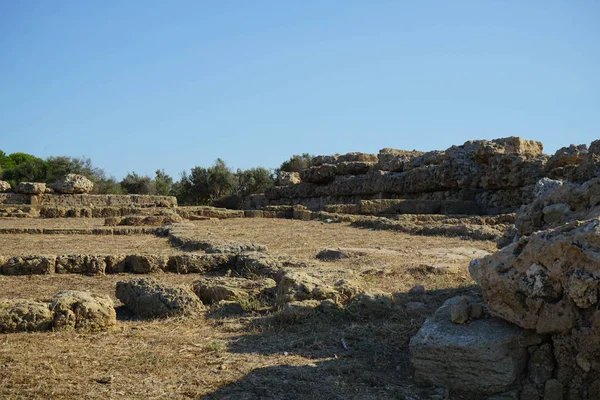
x: 484, y: 149
x: 81, y: 264
x: 396, y: 160
x: 256, y: 264
x: 357, y: 157
x: 320, y: 174
x: 18, y: 315
x: 116, y: 264
x: 348, y: 157
x: 30, y: 188
x: 343, y: 208
x: 145, y: 264
x: 511, y: 171
x: 200, y: 263
x: 557, y: 202
x: 299, y: 286
x: 354, y: 167
x: 148, y: 298
x: 73, y: 184
x: 80, y: 310
x: 213, y: 290
x: 112, y: 200
x: 5, y: 187
x: 288, y: 178
x: 484, y: 357
x: 571, y: 155
x: 29, y: 265
x: 372, y: 302
x: 542, y: 281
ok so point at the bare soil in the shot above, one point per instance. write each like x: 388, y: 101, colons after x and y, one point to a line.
x: 263, y: 355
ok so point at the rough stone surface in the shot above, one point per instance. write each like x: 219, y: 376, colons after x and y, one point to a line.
x: 18, y: 315
x: 81, y: 264
x: 82, y: 311
x: 148, y: 298
x: 487, y: 356
x: 373, y: 302
x: 332, y: 254
x: 558, y: 202
x: 213, y: 290
x: 5, y: 187
x: 543, y: 281
x: 299, y: 286
x: 145, y: 264
x: 571, y: 155
x: 29, y: 265
x: 553, y: 390
x: 541, y: 364
x: 459, y: 311
x: 258, y: 264
x: 288, y: 178
x: 30, y: 188
x: 73, y: 184
x: 200, y: 263
x: 529, y: 392
x: 477, y: 177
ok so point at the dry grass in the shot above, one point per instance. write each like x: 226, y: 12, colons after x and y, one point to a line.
x: 23, y: 244
x: 260, y: 356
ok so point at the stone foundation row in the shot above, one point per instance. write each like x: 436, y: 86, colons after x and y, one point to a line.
x: 112, y: 264
x: 143, y: 230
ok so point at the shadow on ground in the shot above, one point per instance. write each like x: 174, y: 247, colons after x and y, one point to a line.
x: 336, y: 354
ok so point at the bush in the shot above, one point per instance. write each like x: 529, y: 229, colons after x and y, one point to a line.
x: 136, y: 184
x: 297, y: 163
x: 254, y: 181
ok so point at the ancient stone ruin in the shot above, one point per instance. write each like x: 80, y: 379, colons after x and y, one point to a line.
x: 480, y: 177
x: 533, y: 333
x: 542, y: 337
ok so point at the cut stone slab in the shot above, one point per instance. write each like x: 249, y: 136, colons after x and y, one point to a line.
x: 488, y: 356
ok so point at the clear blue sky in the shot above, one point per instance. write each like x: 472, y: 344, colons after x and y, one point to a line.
x: 141, y: 85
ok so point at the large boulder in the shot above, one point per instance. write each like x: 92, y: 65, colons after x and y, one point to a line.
x: 31, y: 188
x: 73, y: 184
x: 80, y: 310
x: 148, y: 298
x: 549, y: 282
x: 17, y: 315
x: 544, y: 281
x: 5, y: 186
x: 487, y: 356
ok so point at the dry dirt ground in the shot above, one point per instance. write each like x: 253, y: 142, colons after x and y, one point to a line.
x: 264, y: 355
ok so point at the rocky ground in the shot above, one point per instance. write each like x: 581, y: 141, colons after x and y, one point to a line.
x: 353, y: 344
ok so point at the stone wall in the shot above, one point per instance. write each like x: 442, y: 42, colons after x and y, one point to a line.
x: 87, y: 200
x: 478, y: 177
